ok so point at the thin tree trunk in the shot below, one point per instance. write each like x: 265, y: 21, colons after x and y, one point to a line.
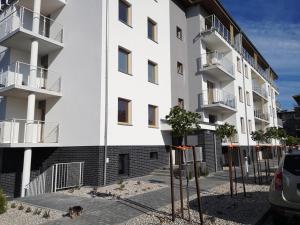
x: 172, y: 185
x: 253, y: 163
x: 230, y: 170
x: 180, y: 184
x: 242, y: 172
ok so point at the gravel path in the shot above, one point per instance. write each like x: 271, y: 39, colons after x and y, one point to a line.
x: 18, y: 216
x: 124, y: 189
x: 219, y: 208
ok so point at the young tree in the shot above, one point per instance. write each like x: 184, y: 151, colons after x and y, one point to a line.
x: 258, y: 136
x: 228, y: 131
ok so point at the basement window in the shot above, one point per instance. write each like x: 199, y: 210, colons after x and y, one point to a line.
x: 153, y: 155
x: 124, y: 164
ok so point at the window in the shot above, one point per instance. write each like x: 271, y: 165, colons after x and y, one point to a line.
x: 181, y: 103
x: 152, y: 72
x: 179, y: 68
x: 243, y: 125
x: 153, y: 155
x: 124, y: 111
x: 248, y: 98
x: 241, y: 94
x: 125, y: 12
x: 212, y: 118
x: 152, y: 30
x: 246, y: 71
x: 238, y: 63
x: 152, y: 115
x: 269, y: 90
x: 124, y: 164
x: 250, y: 126
x: 179, y: 34
x: 124, y: 61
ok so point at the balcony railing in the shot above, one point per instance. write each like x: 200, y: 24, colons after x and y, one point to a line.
x: 218, y: 97
x: 213, y: 23
x: 23, y: 18
x: 260, y: 89
x: 260, y: 114
x: 21, y: 131
x: 23, y: 74
x: 217, y: 59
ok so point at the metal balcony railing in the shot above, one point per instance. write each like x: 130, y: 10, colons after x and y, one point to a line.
x: 22, y: 17
x: 218, y: 97
x: 20, y: 73
x: 213, y: 23
x: 260, y: 89
x: 260, y: 114
x: 217, y: 59
x: 22, y: 131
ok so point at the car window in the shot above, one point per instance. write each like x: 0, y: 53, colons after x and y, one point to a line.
x: 292, y: 164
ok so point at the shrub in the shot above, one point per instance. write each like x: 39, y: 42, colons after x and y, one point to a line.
x: 28, y: 210
x: 3, y: 202
x: 21, y: 207
x: 37, y: 212
x: 13, y: 205
x: 46, y: 214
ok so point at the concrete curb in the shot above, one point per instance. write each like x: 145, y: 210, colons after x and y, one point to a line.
x: 264, y: 217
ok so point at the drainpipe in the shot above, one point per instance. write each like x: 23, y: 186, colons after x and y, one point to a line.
x: 245, y: 99
x: 106, y: 92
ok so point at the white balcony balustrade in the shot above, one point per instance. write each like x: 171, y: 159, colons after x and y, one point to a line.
x: 259, y: 89
x: 216, y: 64
x: 218, y: 100
x: 20, y: 132
x: 23, y: 76
x: 261, y: 115
x: 17, y: 29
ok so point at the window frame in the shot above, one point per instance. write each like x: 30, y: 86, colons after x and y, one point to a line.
x: 242, y: 121
x: 128, y: 21
x: 129, y: 112
x: 248, y: 98
x: 241, y: 95
x: 178, y: 66
x: 129, y: 60
x: 154, y: 29
x: 238, y: 64
x: 179, y: 30
x: 155, y: 114
x: 155, y: 66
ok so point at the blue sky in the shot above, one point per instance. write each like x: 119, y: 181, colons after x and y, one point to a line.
x: 274, y: 27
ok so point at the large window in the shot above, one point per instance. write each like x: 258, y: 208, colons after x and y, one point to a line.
x: 238, y: 64
x: 241, y: 94
x: 248, y: 98
x: 179, y: 68
x: 152, y: 115
x: 152, y: 72
x: 124, y: 60
x: 125, y: 12
x: 152, y: 30
x: 181, y: 103
x: 243, y: 125
x: 124, y: 111
x: 179, y: 34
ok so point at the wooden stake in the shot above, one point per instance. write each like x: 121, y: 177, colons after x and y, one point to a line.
x: 230, y: 172
x: 235, y: 179
x: 172, y: 185
x: 180, y: 184
x: 197, y: 187
x: 187, y: 188
x: 253, y: 163
x: 242, y: 172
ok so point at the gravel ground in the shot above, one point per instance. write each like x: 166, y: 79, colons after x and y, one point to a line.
x: 125, y: 189
x: 16, y: 216
x: 219, y: 208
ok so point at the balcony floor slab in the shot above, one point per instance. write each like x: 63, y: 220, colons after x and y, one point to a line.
x: 29, y: 145
x: 219, y: 108
x: 215, y: 41
x: 218, y: 73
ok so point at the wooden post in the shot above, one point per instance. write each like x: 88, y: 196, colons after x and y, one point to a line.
x: 197, y: 187
x: 258, y: 166
x: 172, y: 184
x: 230, y: 170
x: 187, y: 187
x: 180, y: 184
x: 253, y: 163
x: 242, y: 171
x: 235, y: 179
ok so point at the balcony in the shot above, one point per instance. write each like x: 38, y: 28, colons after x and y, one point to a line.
x: 218, y: 101
x: 47, y: 7
x: 217, y: 65
x: 259, y: 90
x: 261, y: 115
x: 17, y: 30
x: 215, y: 34
x: 22, y: 133
x: 16, y: 80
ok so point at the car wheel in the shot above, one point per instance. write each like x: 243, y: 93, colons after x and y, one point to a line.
x: 278, y: 219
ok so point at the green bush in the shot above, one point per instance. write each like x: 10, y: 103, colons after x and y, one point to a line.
x: 3, y: 202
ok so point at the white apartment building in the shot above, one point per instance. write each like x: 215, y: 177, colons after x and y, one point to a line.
x: 92, y: 82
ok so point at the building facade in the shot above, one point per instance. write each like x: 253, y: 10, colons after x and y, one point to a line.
x: 99, y: 93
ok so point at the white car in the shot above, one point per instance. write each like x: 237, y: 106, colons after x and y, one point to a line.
x: 284, y: 195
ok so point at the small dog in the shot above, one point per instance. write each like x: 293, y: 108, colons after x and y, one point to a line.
x: 75, y: 211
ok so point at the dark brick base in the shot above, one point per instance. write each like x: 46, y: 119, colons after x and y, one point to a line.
x: 42, y: 158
